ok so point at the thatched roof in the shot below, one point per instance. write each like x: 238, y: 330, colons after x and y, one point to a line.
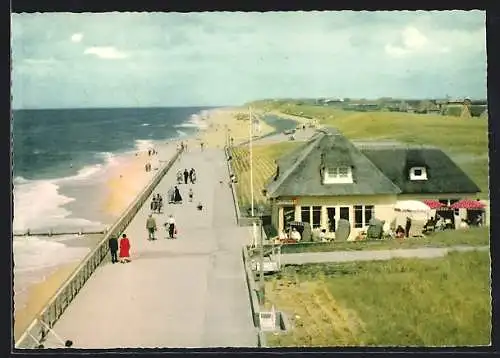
x: 299, y: 173
x: 443, y: 175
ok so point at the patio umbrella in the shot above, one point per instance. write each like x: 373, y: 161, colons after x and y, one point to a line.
x: 433, y: 204
x: 468, y: 204
x: 411, y: 206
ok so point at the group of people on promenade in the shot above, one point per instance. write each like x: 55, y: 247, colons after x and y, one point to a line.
x: 169, y: 225
x: 123, y: 246
x: 120, y: 250
x: 156, y: 203
x: 186, y: 176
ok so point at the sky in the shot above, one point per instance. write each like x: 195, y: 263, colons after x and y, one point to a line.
x: 65, y: 60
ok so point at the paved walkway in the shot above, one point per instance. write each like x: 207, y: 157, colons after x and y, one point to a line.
x: 189, y: 292
x: 371, y: 255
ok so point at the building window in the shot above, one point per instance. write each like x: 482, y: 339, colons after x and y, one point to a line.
x: 344, y: 213
x: 316, y: 216
x: 418, y: 173
x: 340, y: 175
x: 311, y: 215
x: 369, y: 213
x: 362, y: 215
x: 305, y: 214
x: 358, y: 216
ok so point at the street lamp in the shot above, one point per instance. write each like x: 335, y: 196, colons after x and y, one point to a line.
x: 262, y: 289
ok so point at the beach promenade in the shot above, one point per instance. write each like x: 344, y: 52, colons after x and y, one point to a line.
x: 183, y: 293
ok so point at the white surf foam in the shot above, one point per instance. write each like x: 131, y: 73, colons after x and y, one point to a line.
x: 34, y: 253
x: 38, y: 205
x: 145, y: 124
x: 142, y: 145
x: 195, y: 121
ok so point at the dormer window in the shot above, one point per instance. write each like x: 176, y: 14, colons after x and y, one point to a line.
x: 337, y: 175
x: 418, y: 173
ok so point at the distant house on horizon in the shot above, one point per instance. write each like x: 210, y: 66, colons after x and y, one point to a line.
x: 331, y: 178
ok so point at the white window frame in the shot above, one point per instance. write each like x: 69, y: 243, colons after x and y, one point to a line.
x: 338, y: 175
x: 311, y: 217
x: 423, y: 176
x: 364, y: 222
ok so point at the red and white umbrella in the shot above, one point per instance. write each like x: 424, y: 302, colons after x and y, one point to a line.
x: 467, y: 204
x: 433, y: 204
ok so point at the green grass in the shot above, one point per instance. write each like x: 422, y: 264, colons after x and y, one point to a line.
x: 401, y: 302
x: 472, y: 237
x: 263, y: 168
x: 464, y: 139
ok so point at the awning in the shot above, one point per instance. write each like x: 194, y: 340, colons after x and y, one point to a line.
x: 467, y: 204
x: 433, y: 204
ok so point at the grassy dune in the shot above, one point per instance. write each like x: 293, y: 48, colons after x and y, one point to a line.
x: 401, y: 302
x: 263, y: 168
x: 464, y: 139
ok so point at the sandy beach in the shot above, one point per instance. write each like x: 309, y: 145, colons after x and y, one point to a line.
x: 223, y: 123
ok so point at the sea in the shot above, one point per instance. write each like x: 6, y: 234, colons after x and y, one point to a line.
x: 59, y: 157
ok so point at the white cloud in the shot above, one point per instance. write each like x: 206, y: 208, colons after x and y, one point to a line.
x: 108, y: 53
x: 412, y: 40
x: 76, y: 37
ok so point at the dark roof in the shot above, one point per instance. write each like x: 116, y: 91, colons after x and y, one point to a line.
x: 477, y: 109
x: 300, y: 170
x: 444, y: 176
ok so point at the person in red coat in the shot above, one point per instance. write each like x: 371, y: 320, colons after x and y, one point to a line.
x: 124, y: 249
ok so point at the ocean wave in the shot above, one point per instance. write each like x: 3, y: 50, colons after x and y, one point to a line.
x: 109, y: 158
x: 34, y: 253
x: 145, y: 124
x: 38, y: 205
x: 181, y: 133
x: 142, y: 145
x: 195, y: 121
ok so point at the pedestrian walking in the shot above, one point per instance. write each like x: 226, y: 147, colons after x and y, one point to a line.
x: 151, y: 227
x: 124, y: 249
x: 190, y: 195
x: 201, y: 146
x: 186, y: 176
x: 159, y: 203
x: 113, y: 249
x: 177, y: 196
x: 170, y: 226
x: 154, y: 204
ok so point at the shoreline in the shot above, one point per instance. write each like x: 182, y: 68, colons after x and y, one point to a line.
x: 34, y: 296
x: 121, y: 184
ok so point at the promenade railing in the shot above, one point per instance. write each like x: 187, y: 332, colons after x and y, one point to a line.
x: 38, y: 330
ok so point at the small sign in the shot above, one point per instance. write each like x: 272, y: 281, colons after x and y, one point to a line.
x: 267, y: 321
x: 286, y: 202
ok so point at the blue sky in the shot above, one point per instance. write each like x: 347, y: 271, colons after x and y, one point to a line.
x: 221, y: 58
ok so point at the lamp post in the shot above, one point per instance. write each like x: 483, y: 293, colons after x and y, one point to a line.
x: 262, y: 289
x: 250, y: 149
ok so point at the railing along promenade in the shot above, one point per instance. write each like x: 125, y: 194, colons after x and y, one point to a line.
x: 38, y: 329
